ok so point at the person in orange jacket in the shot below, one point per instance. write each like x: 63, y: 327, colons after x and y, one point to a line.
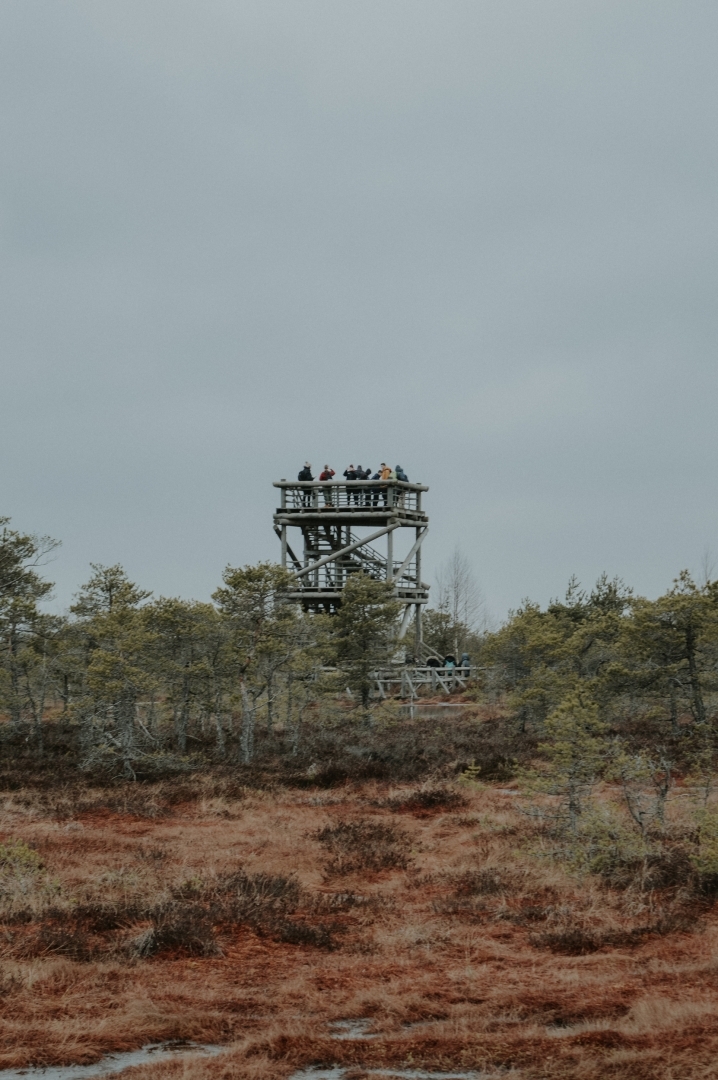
x: 385, y: 474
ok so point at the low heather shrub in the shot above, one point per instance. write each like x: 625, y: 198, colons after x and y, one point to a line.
x: 364, y: 845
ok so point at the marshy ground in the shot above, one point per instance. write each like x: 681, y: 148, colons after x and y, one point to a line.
x: 367, y: 926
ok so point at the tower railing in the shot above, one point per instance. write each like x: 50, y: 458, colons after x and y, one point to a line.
x: 350, y: 496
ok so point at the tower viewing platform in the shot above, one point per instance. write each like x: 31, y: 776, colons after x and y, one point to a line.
x: 339, y: 523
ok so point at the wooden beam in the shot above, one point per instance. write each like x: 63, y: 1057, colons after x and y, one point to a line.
x: 282, y: 534
x: 404, y: 622
x: 412, y: 553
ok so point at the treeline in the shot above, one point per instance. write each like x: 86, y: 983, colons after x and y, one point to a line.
x: 610, y: 683
x: 141, y: 681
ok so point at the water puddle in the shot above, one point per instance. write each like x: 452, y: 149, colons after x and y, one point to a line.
x: 341, y: 1029
x: 111, y: 1064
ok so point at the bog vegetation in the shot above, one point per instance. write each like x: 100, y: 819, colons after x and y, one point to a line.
x: 185, y: 782
x: 600, y: 688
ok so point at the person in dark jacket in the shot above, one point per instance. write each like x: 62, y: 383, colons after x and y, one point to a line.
x: 365, y: 474
x: 361, y: 475
x: 400, y: 475
x: 350, y: 474
x: 305, y: 474
x: 376, y: 491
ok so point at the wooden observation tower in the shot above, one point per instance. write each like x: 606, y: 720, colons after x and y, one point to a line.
x: 339, y: 523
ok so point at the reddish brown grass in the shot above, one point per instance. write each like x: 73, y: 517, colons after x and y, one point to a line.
x: 453, y: 950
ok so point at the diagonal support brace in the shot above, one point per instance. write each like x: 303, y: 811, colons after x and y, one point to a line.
x: 404, y: 622
x: 412, y: 553
x: 346, y: 550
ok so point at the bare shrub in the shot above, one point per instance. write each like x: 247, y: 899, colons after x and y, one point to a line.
x: 480, y: 883
x: 264, y: 902
x: 59, y: 940
x: 427, y: 801
x: 576, y: 940
x: 470, y: 888
x: 258, y: 900
x: 364, y: 845
x: 300, y: 933
x: 181, y: 926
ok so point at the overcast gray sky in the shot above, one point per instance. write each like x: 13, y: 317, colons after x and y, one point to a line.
x: 475, y: 237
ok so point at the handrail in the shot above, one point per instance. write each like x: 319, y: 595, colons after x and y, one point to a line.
x: 346, y: 483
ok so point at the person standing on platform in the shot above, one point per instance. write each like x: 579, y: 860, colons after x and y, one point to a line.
x: 401, y: 475
x: 366, y: 475
x: 305, y: 475
x: 324, y: 475
x: 350, y: 474
x: 385, y: 475
x: 376, y: 491
x: 361, y: 475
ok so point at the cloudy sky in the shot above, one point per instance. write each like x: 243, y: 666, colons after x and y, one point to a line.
x: 474, y: 237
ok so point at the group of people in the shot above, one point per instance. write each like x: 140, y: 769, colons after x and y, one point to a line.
x: 367, y: 496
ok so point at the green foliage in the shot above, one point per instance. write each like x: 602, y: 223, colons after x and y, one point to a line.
x: 267, y: 635
x: 16, y: 857
x: 116, y: 646
x: 24, y: 884
x: 109, y: 590
x: 646, y: 779
x: 24, y: 631
x: 363, y: 631
x: 190, y: 649
x: 605, y: 842
x: 576, y: 751
x: 602, y: 682
x: 471, y: 774
x: 542, y: 656
x: 670, y: 647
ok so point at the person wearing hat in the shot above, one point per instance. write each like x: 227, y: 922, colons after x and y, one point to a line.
x: 305, y: 475
x: 401, y: 475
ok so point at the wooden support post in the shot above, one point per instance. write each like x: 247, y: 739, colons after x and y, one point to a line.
x: 419, y: 630
x: 284, y: 547
x: 404, y: 623
x: 390, y: 556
